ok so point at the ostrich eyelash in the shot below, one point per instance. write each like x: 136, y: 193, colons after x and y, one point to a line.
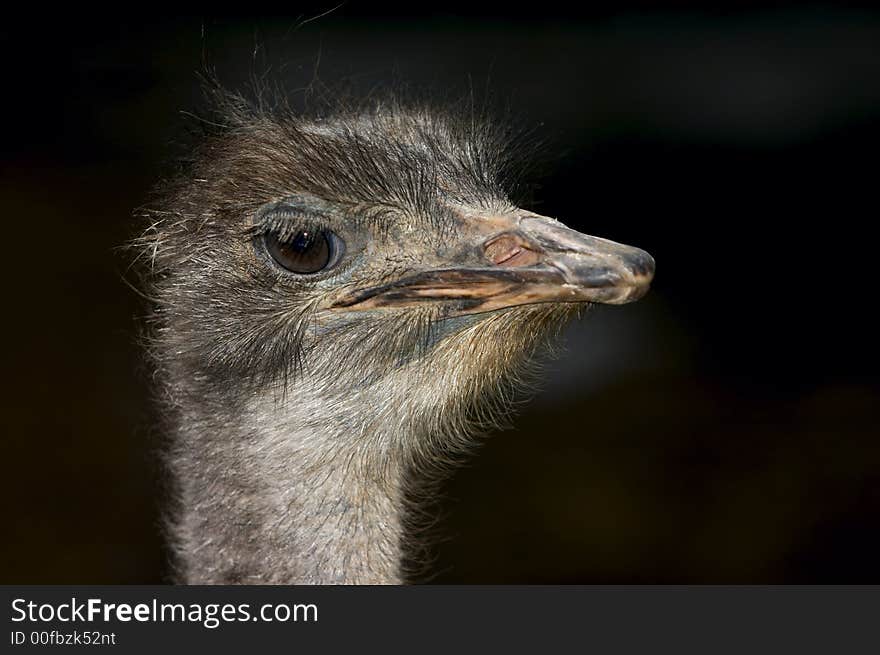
x: 284, y: 225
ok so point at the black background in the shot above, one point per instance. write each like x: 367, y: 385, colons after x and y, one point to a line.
x: 723, y: 429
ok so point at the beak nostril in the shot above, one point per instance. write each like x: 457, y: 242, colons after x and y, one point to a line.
x: 502, y: 248
x: 510, y: 250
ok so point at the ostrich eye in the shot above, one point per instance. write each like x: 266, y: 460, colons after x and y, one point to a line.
x: 305, y: 251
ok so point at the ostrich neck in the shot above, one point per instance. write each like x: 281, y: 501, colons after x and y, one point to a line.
x: 272, y: 495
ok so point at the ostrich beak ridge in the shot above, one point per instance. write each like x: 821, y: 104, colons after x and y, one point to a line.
x: 536, y: 260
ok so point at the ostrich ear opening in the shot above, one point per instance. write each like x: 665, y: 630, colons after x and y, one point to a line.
x: 537, y: 260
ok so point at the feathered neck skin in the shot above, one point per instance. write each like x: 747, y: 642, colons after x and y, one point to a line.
x: 308, y: 483
x: 274, y: 497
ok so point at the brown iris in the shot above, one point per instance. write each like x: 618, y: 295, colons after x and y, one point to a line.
x: 303, y: 252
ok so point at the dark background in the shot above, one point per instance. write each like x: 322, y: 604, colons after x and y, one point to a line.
x: 722, y: 430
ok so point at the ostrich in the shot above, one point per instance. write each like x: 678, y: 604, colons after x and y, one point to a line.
x: 341, y: 303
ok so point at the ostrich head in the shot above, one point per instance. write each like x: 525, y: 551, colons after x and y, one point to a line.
x: 362, y: 279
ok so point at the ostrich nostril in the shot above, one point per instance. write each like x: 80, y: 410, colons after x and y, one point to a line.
x: 510, y: 250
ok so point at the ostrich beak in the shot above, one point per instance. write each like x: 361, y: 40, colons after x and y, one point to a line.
x: 532, y: 259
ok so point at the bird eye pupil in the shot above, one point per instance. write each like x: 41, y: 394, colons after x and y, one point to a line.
x: 302, y: 242
x: 304, y: 252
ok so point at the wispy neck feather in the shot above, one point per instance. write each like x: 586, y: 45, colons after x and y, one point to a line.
x: 276, y: 497
x: 307, y: 484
